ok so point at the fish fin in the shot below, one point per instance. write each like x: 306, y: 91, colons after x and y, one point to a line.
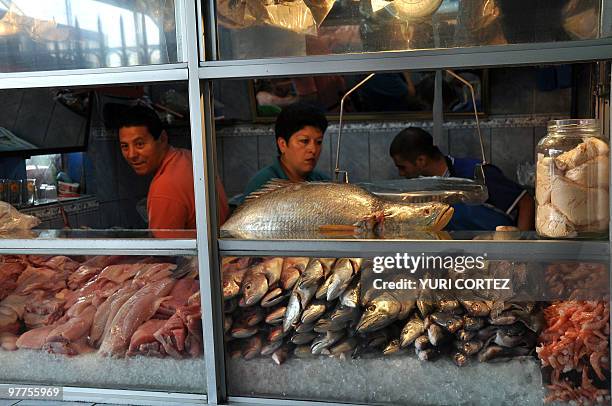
x: 338, y: 230
x: 271, y: 186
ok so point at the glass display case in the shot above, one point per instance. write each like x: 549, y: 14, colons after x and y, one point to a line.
x: 99, y: 321
x: 356, y: 359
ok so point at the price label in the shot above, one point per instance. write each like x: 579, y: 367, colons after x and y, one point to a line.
x: 31, y: 392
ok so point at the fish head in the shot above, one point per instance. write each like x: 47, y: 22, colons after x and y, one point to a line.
x: 230, y: 288
x: 432, y: 216
x: 379, y: 313
x: 289, y: 277
x: 254, y: 287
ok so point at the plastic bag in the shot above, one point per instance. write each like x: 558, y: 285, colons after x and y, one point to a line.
x: 12, y: 219
x: 428, y: 189
x: 300, y: 16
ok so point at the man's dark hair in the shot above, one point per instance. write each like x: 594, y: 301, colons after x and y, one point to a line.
x: 297, y: 116
x: 138, y: 116
x: 412, y: 142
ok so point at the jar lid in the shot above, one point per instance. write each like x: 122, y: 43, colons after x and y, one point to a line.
x: 569, y: 125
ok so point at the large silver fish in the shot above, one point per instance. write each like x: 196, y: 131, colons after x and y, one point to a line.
x: 285, y: 206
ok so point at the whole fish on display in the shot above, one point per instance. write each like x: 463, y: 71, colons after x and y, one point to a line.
x: 282, y: 207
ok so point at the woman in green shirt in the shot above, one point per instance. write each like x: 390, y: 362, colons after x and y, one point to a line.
x: 299, y: 131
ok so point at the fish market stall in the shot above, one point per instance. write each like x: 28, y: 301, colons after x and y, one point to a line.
x: 339, y: 283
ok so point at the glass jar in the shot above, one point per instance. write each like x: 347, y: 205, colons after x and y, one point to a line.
x: 572, y: 178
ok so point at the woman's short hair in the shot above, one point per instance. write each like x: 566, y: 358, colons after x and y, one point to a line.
x: 297, y: 116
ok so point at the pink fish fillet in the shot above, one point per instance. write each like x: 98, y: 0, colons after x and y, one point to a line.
x: 8, y: 341
x: 180, y: 293
x: 138, y: 309
x: 107, y: 311
x: 34, y: 339
x: 75, y: 328
x: 144, y: 335
x: 120, y: 273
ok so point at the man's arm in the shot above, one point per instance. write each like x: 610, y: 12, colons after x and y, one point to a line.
x: 526, y: 213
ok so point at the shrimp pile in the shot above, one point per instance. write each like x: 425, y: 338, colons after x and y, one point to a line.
x: 577, y: 281
x: 576, y: 339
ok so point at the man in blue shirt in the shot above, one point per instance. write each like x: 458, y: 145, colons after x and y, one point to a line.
x: 299, y: 134
x: 414, y: 154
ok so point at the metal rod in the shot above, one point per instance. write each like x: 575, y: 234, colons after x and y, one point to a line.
x: 469, y: 85
x: 347, y: 94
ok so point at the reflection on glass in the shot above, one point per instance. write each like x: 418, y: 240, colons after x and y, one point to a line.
x: 66, y: 34
x: 100, y: 321
x: 256, y: 29
x: 410, y: 94
x: 365, y: 330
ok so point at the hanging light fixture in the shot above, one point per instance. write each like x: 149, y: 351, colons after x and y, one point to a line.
x: 407, y: 9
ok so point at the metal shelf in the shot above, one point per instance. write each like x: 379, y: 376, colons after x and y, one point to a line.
x: 99, y: 246
x: 510, y: 249
x: 482, y: 56
x: 90, y: 77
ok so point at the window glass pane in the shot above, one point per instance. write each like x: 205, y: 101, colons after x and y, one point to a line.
x: 250, y: 29
x: 67, y: 34
x: 62, y: 322
x: 108, y: 170
x: 415, y: 328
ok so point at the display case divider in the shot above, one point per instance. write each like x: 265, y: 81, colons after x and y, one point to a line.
x: 89, y: 77
x: 482, y: 56
x: 202, y: 122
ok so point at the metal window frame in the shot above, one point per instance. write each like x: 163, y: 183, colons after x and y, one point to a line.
x: 483, y: 57
x: 198, y: 21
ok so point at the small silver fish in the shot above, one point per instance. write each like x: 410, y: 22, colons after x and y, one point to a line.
x: 471, y: 323
x: 325, y: 340
x: 304, y: 328
x: 303, y: 338
x: 291, y: 271
x: 302, y: 351
x: 460, y: 359
x: 314, y: 311
x: 393, y: 347
x: 252, y: 347
x: 449, y: 321
x: 259, y: 278
x: 413, y: 329
x: 344, y: 346
x: 243, y: 331
x: 276, y: 333
x: 270, y: 347
x: 273, y: 297
x: 436, y: 334
x: 351, y: 296
x: 276, y: 316
x: 476, y: 308
x: 380, y: 312
x: 341, y: 277
x: 281, y: 355
x: 422, y: 342
x: 325, y: 324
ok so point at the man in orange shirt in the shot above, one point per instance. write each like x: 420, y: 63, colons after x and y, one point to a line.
x: 144, y: 145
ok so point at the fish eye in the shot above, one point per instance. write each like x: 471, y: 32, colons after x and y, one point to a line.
x: 248, y: 286
x: 371, y: 308
x: 426, y: 212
